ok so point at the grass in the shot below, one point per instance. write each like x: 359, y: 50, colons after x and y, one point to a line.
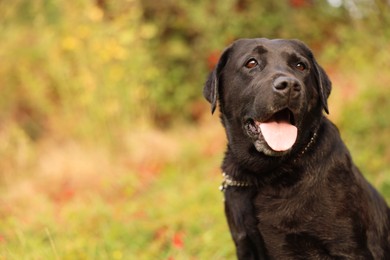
x: 158, y: 200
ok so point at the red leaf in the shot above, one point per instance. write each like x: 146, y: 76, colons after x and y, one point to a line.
x: 212, y: 59
x: 177, y: 240
x: 299, y: 3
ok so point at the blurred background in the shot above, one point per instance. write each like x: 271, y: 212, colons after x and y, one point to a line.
x: 108, y: 149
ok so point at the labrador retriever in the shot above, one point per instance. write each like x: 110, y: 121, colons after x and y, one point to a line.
x: 291, y: 188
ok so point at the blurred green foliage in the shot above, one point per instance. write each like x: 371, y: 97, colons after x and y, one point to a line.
x: 67, y: 67
x: 365, y: 127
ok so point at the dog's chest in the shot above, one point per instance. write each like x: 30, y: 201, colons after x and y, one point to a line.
x: 297, y: 219
x: 285, y: 212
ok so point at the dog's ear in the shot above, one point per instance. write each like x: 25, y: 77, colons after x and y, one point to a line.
x: 211, y: 87
x: 324, y: 85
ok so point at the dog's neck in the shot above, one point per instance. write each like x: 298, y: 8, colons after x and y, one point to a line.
x: 229, y: 181
x: 309, y: 144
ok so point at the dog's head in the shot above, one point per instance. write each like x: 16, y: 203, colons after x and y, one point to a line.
x: 271, y: 94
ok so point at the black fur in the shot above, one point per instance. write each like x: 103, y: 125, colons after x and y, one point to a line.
x: 310, y: 202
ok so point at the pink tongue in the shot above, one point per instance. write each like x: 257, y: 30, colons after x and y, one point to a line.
x: 280, y: 136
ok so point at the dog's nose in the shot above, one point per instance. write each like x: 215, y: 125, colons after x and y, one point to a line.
x: 284, y: 85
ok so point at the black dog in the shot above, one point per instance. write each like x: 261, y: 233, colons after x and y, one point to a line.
x: 291, y: 188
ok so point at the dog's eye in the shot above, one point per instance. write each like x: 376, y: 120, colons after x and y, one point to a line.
x: 301, y: 66
x: 251, y: 63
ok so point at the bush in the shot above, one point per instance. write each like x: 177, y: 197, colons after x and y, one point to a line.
x: 68, y: 68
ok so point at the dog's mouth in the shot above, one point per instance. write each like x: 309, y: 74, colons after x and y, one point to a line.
x: 279, y: 131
